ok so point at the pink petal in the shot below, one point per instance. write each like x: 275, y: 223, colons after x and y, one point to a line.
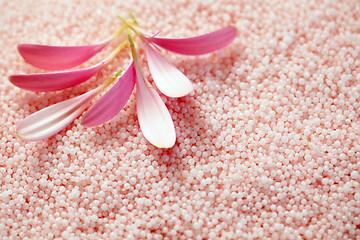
x: 113, y: 101
x: 154, y: 118
x: 59, y: 57
x: 46, y: 82
x: 167, y: 77
x: 203, y: 44
x: 52, y: 119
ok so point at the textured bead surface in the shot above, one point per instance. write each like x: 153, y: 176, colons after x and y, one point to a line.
x: 268, y: 143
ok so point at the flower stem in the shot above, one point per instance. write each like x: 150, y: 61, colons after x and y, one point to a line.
x: 112, y: 79
x: 133, y: 18
x: 116, y: 51
x: 136, y: 60
x: 119, y: 31
x: 133, y: 49
x: 132, y: 26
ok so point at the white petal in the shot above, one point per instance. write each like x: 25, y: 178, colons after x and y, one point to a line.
x: 167, y: 77
x: 52, y: 119
x: 154, y: 118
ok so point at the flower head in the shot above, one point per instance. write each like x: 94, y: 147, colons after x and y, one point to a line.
x: 154, y: 118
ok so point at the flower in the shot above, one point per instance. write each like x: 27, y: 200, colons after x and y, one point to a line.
x: 154, y: 118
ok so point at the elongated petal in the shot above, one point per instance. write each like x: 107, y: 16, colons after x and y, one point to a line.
x: 167, y: 77
x: 154, y: 118
x: 111, y: 102
x: 59, y: 57
x: 46, y: 82
x: 52, y: 119
x: 203, y: 44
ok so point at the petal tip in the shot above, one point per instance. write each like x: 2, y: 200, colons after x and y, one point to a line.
x: 190, y: 90
x: 233, y: 30
x: 11, y: 78
x: 22, y: 137
x: 165, y: 144
x: 179, y: 95
x: 86, y: 123
x: 19, y: 47
x: 19, y: 135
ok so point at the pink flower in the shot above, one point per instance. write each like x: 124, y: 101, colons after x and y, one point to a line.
x: 154, y: 118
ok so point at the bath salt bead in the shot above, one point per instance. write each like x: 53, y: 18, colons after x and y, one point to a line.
x: 272, y: 43
x: 334, y: 134
x: 355, y: 175
x: 307, y: 131
x: 301, y: 81
x: 75, y: 193
x: 357, y: 196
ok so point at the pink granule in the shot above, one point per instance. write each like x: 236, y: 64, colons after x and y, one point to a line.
x: 267, y: 144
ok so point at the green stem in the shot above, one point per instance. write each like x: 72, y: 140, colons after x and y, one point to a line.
x: 112, y: 79
x: 133, y: 27
x: 119, y: 31
x: 133, y: 18
x: 116, y: 51
x: 136, y: 60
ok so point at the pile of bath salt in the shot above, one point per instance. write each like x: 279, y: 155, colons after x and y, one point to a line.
x: 267, y: 144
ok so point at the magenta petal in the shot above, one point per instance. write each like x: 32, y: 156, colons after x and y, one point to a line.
x: 202, y: 44
x: 112, y: 101
x: 59, y: 57
x: 46, y: 82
